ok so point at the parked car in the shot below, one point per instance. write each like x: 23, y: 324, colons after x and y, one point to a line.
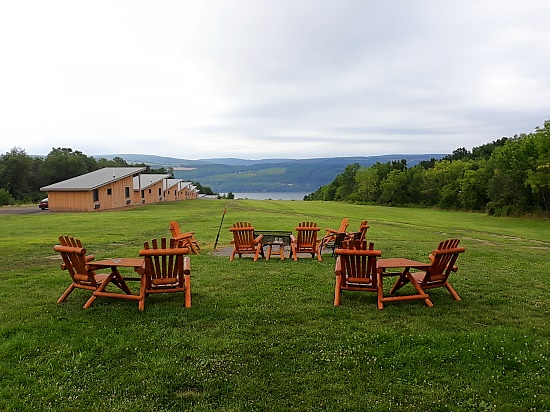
x: 43, y: 204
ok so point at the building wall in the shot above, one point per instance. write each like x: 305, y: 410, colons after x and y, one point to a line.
x: 171, y: 193
x: 70, y: 201
x: 113, y: 195
x: 151, y: 194
x: 110, y: 196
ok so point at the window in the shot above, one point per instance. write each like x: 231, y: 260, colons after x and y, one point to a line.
x: 160, y: 191
x: 127, y: 192
x: 96, y: 195
x: 142, y: 194
x: 109, y: 191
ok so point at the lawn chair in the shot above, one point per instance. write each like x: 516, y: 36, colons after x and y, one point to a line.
x: 306, y: 240
x: 187, y: 238
x: 331, y: 234
x: 356, y: 269
x: 443, y: 263
x: 244, y: 241
x: 360, y: 234
x: 166, y: 270
x: 75, y: 261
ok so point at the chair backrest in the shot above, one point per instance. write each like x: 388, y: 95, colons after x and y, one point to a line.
x: 174, y: 229
x: 343, y: 225
x: 243, y: 234
x: 75, y: 261
x: 306, y: 235
x: 358, y: 263
x: 443, y: 261
x: 362, y: 233
x: 164, y: 264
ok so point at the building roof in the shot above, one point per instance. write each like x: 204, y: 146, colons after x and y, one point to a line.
x: 169, y: 183
x: 93, y: 180
x: 144, y: 181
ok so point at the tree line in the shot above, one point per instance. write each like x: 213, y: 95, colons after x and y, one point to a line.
x: 22, y: 176
x: 507, y: 177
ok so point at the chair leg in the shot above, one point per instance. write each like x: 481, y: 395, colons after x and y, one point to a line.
x: 452, y: 291
x: 380, y: 290
x: 401, y: 281
x: 337, y: 291
x: 66, y: 293
x: 142, y: 294
x: 187, y: 291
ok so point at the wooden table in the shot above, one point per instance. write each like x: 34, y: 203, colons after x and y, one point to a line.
x: 114, y: 264
x: 407, y: 265
x: 279, y: 238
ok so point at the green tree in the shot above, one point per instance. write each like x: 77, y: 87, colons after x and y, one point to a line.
x: 393, y: 189
x: 508, y: 188
x: 5, y: 197
x: 538, y: 178
x: 64, y: 163
x: 367, y: 184
x: 16, y: 173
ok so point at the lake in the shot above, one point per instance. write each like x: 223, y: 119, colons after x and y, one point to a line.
x: 272, y: 195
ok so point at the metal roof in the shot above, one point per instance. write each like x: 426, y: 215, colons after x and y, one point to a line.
x: 169, y: 183
x: 144, y: 181
x: 93, y: 180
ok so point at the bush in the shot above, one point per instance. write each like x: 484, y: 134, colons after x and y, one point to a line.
x: 5, y: 197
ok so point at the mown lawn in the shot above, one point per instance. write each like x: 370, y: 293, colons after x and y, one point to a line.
x: 264, y: 335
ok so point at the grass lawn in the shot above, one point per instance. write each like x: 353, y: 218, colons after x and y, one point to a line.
x: 265, y: 335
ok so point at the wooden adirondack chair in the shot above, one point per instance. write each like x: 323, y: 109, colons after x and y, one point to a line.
x: 187, y: 238
x: 166, y: 270
x: 306, y: 240
x: 360, y: 234
x: 75, y: 261
x: 331, y: 235
x: 244, y: 241
x: 443, y: 264
x: 356, y: 269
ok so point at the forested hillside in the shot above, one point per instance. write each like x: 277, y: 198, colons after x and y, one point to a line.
x: 510, y: 176
x: 285, y: 175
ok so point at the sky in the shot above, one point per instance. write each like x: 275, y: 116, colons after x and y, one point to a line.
x: 271, y: 79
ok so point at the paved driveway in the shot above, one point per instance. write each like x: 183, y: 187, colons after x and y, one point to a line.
x: 20, y: 210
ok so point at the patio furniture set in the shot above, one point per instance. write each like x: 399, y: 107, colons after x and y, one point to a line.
x: 164, y: 267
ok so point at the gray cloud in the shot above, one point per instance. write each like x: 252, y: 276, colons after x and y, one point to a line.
x: 271, y: 79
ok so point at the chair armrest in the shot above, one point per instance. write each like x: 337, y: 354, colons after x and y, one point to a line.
x: 259, y: 239
x: 186, y: 265
x: 338, y: 267
x: 185, y: 235
x: 354, y: 252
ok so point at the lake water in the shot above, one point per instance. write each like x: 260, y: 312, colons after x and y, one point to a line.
x: 272, y: 195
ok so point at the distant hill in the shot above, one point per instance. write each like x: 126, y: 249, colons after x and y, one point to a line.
x: 266, y: 175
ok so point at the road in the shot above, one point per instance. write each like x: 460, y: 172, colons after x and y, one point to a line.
x: 21, y: 210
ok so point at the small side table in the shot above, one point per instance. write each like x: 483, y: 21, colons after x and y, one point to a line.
x: 280, y: 244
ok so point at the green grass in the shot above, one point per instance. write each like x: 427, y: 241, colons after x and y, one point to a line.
x: 264, y: 335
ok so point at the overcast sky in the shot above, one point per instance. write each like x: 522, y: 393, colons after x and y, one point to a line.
x: 271, y: 79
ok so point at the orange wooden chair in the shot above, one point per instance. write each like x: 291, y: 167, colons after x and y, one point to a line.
x: 361, y: 234
x: 187, y: 238
x: 75, y: 261
x: 331, y: 235
x: 166, y: 270
x: 306, y: 240
x: 443, y: 264
x: 356, y: 269
x: 244, y: 241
